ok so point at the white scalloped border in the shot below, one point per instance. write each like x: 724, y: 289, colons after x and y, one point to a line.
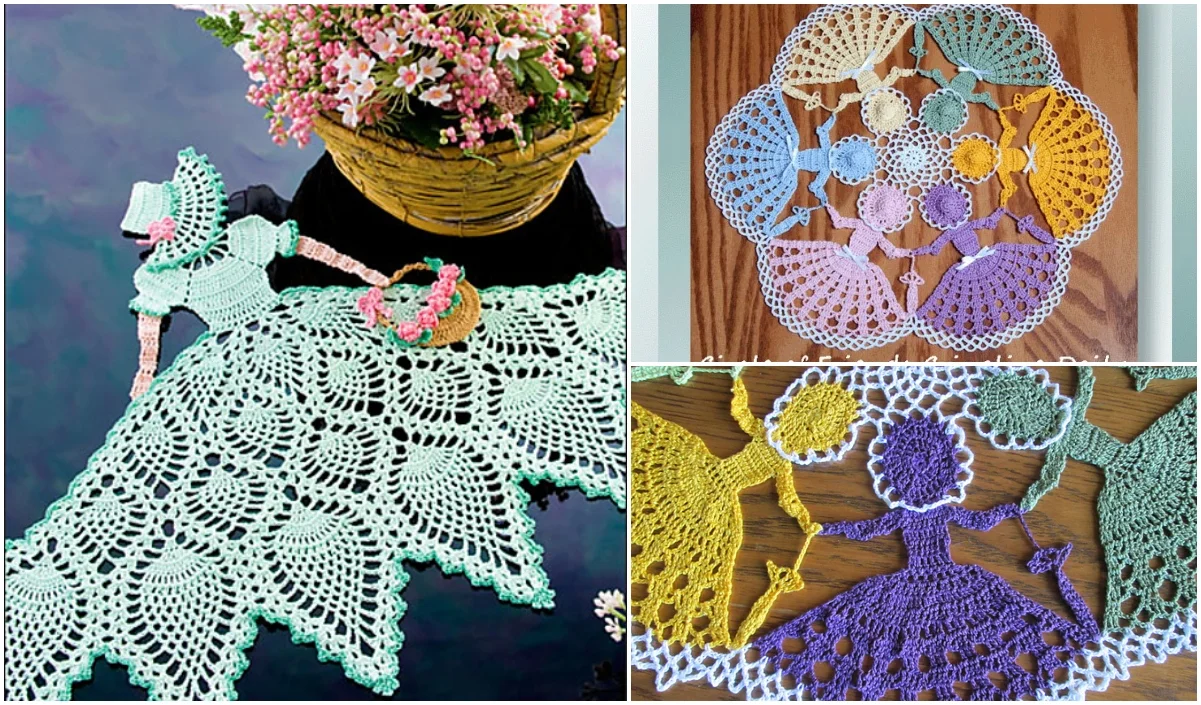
x: 818, y: 375
x: 972, y: 411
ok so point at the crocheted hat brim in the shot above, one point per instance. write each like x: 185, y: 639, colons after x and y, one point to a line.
x: 197, y: 205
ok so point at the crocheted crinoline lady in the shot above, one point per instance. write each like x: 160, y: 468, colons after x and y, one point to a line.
x: 936, y: 624
x: 1072, y: 163
x: 291, y: 459
x: 825, y: 289
x: 1070, y: 160
x: 995, y: 290
x: 687, y: 524
x: 1147, y: 512
x: 841, y: 43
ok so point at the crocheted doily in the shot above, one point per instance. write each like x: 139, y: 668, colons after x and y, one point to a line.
x: 1070, y: 163
x: 287, y: 464
x: 1013, y: 408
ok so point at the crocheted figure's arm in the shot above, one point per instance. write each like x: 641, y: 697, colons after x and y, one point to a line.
x: 149, y: 330
x: 1056, y: 458
x: 320, y: 252
x: 985, y: 520
x: 988, y: 222
x: 865, y: 529
x: 840, y: 221
x: 936, y: 246
x: 890, y: 250
x: 1026, y: 224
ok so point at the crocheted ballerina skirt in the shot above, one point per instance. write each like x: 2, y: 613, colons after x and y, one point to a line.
x: 1071, y: 164
x: 284, y: 468
x: 1013, y: 408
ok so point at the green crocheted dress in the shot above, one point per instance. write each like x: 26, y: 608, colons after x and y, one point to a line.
x: 291, y: 459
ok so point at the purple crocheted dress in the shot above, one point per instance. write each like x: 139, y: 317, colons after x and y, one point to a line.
x: 992, y: 288
x: 935, y: 624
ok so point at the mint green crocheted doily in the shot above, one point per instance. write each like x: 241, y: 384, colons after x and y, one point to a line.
x: 285, y: 469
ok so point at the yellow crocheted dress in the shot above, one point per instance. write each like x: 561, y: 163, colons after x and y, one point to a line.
x: 687, y: 522
x: 848, y: 44
x: 1067, y: 159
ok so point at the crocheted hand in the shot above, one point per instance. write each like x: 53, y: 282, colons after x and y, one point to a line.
x: 1048, y: 559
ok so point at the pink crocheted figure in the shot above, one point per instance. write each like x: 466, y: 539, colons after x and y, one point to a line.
x: 834, y: 286
x: 991, y: 288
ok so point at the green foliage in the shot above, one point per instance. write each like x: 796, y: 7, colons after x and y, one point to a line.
x: 227, y: 29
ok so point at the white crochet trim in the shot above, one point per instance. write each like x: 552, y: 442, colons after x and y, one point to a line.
x: 995, y: 339
x: 913, y: 392
x: 1116, y: 655
x: 850, y: 380
x: 734, y: 670
x: 971, y: 409
x: 741, y: 673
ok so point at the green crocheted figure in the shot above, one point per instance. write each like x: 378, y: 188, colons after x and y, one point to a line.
x: 1143, y: 375
x: 1147, y: 508
x: 219, y: 273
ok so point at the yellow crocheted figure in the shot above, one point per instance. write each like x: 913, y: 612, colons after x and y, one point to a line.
x: 1067, y: 159
x: 687, y: 522
x: 846, y: 44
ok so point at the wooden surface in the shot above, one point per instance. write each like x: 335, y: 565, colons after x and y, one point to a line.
x: 733, y: 48
x: 842, y: 491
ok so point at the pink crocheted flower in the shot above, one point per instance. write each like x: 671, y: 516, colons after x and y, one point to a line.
x: 408, y: 330
x: 372, y: 306
x: 443, y: 287
x: 159, y: 230
x: 449, y: 271
x: 438, y: 303
x: 427, y: 317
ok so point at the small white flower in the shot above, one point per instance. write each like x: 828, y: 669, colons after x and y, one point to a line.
x: 408, y: 77
x: 344, y: 63
x: 509, y: 48
x: 428, y: 66
x: 350, y: 113
x: 592, y: 22
x: 360, y: 68
x: 365, y: 89
x: 387, y: 44
x: 614, y: 629
x: 608, y: 601
x: 436, y: 95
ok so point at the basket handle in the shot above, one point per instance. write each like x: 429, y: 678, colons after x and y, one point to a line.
x: 609, y: 88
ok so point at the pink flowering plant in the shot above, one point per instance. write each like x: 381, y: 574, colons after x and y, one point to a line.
x: 462, y: 75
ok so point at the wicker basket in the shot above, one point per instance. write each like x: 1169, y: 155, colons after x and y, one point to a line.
x: 444, y: 192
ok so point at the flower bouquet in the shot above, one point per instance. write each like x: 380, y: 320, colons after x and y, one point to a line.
x: 459, y: 119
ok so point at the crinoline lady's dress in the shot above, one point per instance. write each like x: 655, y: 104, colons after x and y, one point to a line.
x: 291, y: 459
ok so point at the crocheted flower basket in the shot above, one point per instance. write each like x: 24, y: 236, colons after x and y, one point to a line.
x: 445, y: 192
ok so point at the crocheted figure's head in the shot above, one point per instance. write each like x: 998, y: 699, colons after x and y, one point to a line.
x: 884, y: 208
x: 884, y: 111
x: 817, y: 418
x: 975, y: 158
x: 853, y: 159
x: 1015, y: 408
x: 182, y: 216
x: 944, y: 111
x: 921, y: 461
x: 945, y: 206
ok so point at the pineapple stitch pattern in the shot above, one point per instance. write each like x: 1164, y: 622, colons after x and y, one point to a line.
x: 291, y: 459
x: 1013, y: 408
x: 1070, y: 163
x: 686, y: 516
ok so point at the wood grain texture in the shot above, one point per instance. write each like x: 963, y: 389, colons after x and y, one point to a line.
x: 733, y: 48
x: 842, y: 491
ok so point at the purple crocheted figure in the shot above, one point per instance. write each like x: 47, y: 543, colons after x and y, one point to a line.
x: 935, y: 624
x: 991, y: 288
x: 835, y: 286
